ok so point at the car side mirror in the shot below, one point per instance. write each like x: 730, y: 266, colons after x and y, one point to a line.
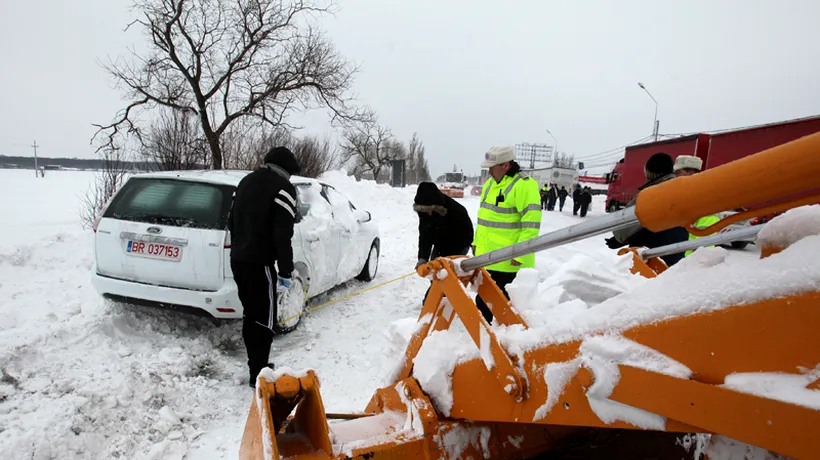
x: 363, y: 216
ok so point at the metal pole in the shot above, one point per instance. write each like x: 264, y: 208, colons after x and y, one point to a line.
x: 611, y: 222
x: 744, y: 234
x: 36, y: 168
x: 555, y: 150
x: 654, y: 123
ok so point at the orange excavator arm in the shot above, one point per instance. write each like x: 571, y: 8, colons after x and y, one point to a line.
x: 516, y: 404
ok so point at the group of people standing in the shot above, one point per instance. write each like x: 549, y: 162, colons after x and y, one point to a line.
x: 581, y: 198
x: 658, y: 169
x: 550, y: 194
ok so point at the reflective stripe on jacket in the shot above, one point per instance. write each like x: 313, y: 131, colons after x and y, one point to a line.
x: 703, y: 222
x: 510, y: 213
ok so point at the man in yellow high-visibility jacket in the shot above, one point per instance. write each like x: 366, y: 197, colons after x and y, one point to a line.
x: 687, y: 165
x: 510, y: 213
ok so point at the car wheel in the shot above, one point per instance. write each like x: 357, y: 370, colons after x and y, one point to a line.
x: 613, y: 207
x: 371, y: 267
x: 740, y: 244
x: 291, y: 306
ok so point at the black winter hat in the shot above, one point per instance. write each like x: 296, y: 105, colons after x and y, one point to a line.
x: 658, y: 165
x: 428, y: 194
x: 284, y: 158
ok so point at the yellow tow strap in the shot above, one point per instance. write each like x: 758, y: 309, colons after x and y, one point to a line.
x: 345, y: 297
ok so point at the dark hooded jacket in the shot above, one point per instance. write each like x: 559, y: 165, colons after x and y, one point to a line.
x: 264, y: 212
x: 448, y: 230
x: 658, y: 170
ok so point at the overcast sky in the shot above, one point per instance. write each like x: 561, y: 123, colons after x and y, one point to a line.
x: 466, y: 75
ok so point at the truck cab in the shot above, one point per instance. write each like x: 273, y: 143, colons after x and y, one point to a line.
x: 615, y: 195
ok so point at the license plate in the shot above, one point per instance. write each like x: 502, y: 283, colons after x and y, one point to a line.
x: 154, y: 250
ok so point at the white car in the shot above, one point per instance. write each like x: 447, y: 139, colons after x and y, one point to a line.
x: 163, y: 241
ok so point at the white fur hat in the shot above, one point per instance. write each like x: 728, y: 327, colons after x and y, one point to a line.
x: 688, y: 162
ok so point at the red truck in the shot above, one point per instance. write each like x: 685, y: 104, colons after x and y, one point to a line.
x: 713, y: 149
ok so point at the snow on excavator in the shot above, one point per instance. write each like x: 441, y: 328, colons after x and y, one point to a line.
x: 729, y: 350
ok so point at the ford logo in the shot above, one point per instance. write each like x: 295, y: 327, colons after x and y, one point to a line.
x: 154, y: 230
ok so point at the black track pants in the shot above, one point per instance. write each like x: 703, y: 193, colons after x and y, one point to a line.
x: 257, y: 291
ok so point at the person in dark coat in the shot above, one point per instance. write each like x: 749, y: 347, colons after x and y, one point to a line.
x: 553, y: 197
x: 261, y: 223
x: 576, y: 200
x: 562, y: 198
x: 586, y: 200
x: 658, y: 169
x: 445, y: 227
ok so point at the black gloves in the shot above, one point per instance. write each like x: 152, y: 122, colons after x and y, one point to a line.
x: 613, y: 243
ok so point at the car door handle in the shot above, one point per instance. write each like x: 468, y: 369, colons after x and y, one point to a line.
x: 312, y: 238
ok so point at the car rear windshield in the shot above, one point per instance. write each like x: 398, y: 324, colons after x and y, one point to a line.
x: 173, y: 202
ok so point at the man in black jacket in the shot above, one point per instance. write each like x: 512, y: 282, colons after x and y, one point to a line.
x: 445, y: 228
x: 261, y: 225
x: 576, y: 200
x: 658, y: 169
x: 586, y: 200
x: 562, y: 198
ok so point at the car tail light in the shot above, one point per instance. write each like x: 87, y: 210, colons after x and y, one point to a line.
x: 225, y: 310
x: 227, y: 240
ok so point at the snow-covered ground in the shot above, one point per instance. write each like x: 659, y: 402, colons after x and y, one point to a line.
x: 86, y: 379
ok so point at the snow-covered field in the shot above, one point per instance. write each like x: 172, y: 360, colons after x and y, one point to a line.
x: 86, y: 379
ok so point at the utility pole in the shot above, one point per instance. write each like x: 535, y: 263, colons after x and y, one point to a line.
x: 36, y: 168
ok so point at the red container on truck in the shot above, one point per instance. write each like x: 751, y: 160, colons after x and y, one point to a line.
x: 713, y: 149
x: 628, y: 174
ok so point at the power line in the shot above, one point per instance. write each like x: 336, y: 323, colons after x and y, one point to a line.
x: 613, y: 150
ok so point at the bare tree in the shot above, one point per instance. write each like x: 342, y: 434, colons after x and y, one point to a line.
x: 244, y: 145
x: 412, y: 159
x: 106, y: 182
x: 225, y: 60
x: 422, y: 168
x: 367, y: 144
x: 315, y: 155
x: 173, y: 143
x: 564, y: 160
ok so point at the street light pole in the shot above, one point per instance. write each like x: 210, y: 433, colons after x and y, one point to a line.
x: 655, y: 124
x: 555, y: 150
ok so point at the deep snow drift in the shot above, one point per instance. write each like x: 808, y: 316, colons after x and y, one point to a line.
x: 85, y: 379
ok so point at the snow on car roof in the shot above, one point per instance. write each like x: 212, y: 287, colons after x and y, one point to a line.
x: 224, y: 176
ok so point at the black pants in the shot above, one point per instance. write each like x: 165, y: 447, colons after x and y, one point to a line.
x: 435, y: 254
x: 561, y: 202
x: 256, y: 284
x: 576, y: 205
x: 544, y: 201
x: 584, y: 208
x: 502, y: 279
x: 551, y: 204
